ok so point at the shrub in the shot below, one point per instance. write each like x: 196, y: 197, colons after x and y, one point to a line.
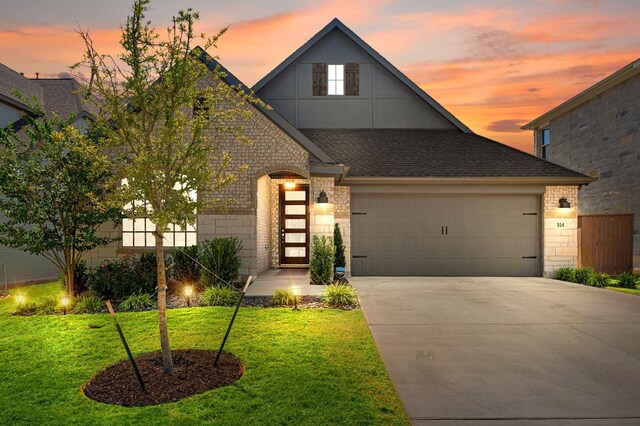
x: 48, y: 306
x: 81, y: 277
x: 339, y: 295
x: 28, y: 308
x: 321, y: 264
x: 185, y: 267
x: 121, y: 278
x: 137, y: 302
x: 339, y: 260
x: 598, y: 279
x: 283, y: 297
x: 627, y: 280
x: 581, y: 275
x: 88, y: 305
x: 221, y: 260
x: 220, y: 296
x: 565, y: 274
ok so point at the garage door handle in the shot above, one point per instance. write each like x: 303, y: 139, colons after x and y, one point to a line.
x: 359, y: 257
x: 446, y: 230
x: 442, y: 230
x: 529, y: 257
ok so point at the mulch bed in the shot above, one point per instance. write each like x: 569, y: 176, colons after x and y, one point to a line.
x: 193, y: 373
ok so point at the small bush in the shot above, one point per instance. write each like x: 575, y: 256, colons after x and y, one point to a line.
x: 339, y: 295
x: 221, y: 260
x: 185, y: 267
x: 81, y: 277
x: 339, y: 260
x: 137, y: 302
x: 283, y: 297
x: 219, y: 296
x: 48, y: 306
x: 321, y: 264
x: 124, y: 277
x: 581, y: 275
x: 627, y: 280
x: 88, y: 305
x: 598, y: 279
x: 28, y: 308
x: 565, y: 274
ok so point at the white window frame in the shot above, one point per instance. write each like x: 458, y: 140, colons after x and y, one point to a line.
x: 139, y: 232
x: 335, y: 79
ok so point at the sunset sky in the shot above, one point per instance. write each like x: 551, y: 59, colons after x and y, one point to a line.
x: 494, y: 64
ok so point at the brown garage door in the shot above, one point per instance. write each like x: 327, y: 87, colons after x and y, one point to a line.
x: 466, y: 235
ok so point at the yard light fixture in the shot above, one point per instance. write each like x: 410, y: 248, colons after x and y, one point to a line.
x: 20, y: 298
x: 188, y: 292
x: 64, y: 301
x: 289, y: 185
x: 564, y: 203
x: 295, y: 290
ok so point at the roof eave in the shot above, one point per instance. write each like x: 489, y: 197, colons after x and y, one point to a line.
x: 336, y: 23
x: 15, y: 103
x: 538, y: 180
x: 591, y: 92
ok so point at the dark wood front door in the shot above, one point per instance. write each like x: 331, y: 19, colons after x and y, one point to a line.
x: 294, y: 225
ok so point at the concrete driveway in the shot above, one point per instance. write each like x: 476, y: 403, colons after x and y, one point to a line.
x: 507, y: 350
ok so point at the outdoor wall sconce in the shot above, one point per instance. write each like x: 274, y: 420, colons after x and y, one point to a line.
x: 323, y: 199
x: 289, y: 185
x: 564, y: 203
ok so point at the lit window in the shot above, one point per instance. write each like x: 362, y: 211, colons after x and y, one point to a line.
x: 335, y: 80
x: 545, y: 142
x: 139, y: 232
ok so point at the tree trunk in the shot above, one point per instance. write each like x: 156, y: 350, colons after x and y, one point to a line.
x: 167, y: 362
x: 69, y: 273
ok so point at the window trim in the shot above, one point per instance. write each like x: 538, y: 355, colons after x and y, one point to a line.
x: 336, y: 79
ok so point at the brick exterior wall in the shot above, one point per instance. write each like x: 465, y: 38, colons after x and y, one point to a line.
x: 247, y: 216
x: 602, y: 138
x: 560, y: 229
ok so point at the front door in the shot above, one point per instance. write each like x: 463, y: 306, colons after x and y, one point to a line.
x: 294, y: 225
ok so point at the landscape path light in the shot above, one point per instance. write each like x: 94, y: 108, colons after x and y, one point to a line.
x: 64, y: 301
x: 295, y: 290
x: 188, y: 292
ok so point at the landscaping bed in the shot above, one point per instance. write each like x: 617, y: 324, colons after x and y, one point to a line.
x: 193, y: 373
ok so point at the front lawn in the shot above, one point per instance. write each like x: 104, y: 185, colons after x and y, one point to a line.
x: 626, y: 290
x: 313, y: 366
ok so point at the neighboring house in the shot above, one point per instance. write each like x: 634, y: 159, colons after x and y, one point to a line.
x: 597, y: 132
x: 351, y: 140
x: 56, y: 96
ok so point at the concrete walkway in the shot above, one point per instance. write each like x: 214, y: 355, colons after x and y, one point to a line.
x: 272, y: 279
x: 483, y: 351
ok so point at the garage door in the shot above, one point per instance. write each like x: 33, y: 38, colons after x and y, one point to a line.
x: 466, y: 235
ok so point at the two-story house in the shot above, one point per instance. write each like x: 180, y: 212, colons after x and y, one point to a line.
x: 597, y: 132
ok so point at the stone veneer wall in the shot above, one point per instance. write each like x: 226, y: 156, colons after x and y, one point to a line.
x: 263, y: 225
x: 560, y: 231
x: 342, y: 216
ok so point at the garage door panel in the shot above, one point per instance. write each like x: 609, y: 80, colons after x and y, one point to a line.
x: 445, y: 235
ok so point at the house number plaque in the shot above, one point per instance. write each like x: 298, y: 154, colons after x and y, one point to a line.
x: 560, y: 225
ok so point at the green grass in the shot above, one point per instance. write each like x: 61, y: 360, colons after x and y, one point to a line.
x: 313, y: 366
x: 626, y: 290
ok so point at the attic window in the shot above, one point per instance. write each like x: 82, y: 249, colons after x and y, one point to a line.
x: 546, y: 140
x: 336, y: 79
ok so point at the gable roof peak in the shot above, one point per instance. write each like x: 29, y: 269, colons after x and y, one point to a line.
x: 336, y: 23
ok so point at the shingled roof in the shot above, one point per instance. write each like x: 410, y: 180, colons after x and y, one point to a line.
x: 10, y: 81
x: 423, y: 153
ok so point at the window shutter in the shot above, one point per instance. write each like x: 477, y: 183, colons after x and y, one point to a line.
x: 319, y: 79
x: 352, y: 79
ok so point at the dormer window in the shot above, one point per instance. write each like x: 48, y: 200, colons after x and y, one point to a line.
x: 336, y: 79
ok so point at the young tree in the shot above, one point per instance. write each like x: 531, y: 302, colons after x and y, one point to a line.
x: 165, y: 116
x: 54, y: 191
x: 339, y: 260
